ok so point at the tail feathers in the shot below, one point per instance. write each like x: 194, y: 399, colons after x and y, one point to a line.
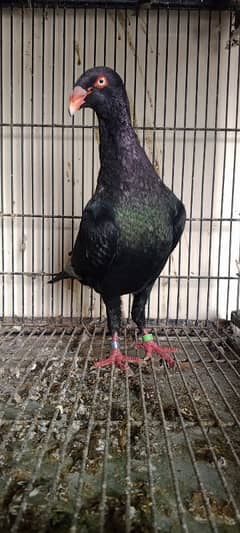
x: 59, y: 276
x: 67, y: 273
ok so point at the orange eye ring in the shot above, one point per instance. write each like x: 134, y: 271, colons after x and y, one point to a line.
x: 101, y: 82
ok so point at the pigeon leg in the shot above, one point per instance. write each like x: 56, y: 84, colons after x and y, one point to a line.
x: 149, y: 346
x: 116, y: 357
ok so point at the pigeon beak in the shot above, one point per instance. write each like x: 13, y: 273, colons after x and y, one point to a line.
x: 77, y: 99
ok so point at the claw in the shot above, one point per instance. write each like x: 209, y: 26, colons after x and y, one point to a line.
x: 151, y: 347
x: 118, y: 359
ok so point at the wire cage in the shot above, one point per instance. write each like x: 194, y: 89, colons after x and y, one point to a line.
x: 103, y: 450
x: 182, y: 76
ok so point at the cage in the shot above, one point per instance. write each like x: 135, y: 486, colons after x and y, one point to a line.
x: 86, y: 449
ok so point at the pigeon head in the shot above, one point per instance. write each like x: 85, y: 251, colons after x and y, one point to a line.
x: 101, y: 89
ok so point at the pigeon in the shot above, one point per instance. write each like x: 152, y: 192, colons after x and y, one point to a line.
x: 133, y: 221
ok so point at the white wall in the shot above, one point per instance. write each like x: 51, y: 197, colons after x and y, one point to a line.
x: 48, y: 171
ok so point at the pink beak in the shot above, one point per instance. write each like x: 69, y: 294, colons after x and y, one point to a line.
x: 77, y: 99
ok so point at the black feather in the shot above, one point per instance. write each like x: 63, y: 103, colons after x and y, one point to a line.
x: 133, y: 221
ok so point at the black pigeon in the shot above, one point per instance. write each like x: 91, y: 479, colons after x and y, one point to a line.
x: 133, y: 221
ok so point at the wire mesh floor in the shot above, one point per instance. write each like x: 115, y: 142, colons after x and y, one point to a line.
x: 85, y: 449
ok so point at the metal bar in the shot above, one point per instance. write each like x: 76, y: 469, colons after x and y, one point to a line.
x: 224, y: 169
x: 226, y: 333
x: 32, y: 160
x: 170, y: 452
x: 11, y: 158
x: 174, y: 145
x: 184, y: 154
x: 24, y: 358
x: 204, y: 431
x: 164, y: 276
x: 102, y: 505
x: 63, y: 155
x: 128, y: 448
x: 146, y: 22
x: 83, y: 144
x: 229, y: 348
x: 12, y: 331
x: 154, y: 132
x: 22, y: 149
x: 148, y: 453
x: 52, y: 147
x: 93, y: 141
x: 220, y: 368
x: 210, y: 515
x: 213, y: 181
x: 42, y: 154
x: 78, y: 217
x: 233, y: 184
x: 64, y: 387
x: 34, y: 387
x: 78, y: 503
x: 1, y: 161
x: 209, y: 402
x: 204, y: 162
x: 83, y: 126
x: 165, y: 93
x: 135, y: 71
x: 193, y: 164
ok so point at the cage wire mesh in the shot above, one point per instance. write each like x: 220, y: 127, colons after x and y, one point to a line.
x: 182, y: 78
x: 102, y: 450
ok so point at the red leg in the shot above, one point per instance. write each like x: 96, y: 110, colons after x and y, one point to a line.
x: 117, y: 358
x: 150, y: 347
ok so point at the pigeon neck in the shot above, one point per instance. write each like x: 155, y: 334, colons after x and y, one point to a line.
x: 117, y: 139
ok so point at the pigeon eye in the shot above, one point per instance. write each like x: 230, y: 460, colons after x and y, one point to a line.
x: 101, y: 82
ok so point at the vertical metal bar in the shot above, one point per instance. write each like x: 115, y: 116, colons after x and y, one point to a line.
x: 238, y: 283
x: 1, y: 163
x: 125, y: 47
x: 164, y: 126
x: 174, y: 145
x: 93, y: 138
x: 148, y: 453
x: 184, y: 156
x: 214, y: 168
x: 102, y: 506
x: 128, y: 448
x: 135, y: 70
x: 105, y: 37
x: 224, y: 169
x: 73, y: 154
x: 154, y: 125
x: 22, y: 149
x: 78, y: 503
x: 207, y: 506
x: 165, y: 93
x: 209, y: 402
x: 32, y: 162
x: 34, y: 384
x: 193, y: 168
x: 204, y: 163
x: 63, y: 158
x: 115, y: 40
x: 83, y: 139
x: 11, y: 158
x: 145, y: 100
x: 233, y: 183
x: 43, y: 449
x: 42, y: 154
x: 219, y: 469
x: 52, y: 145
x: 145, y: 75
x: 170, y: 452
